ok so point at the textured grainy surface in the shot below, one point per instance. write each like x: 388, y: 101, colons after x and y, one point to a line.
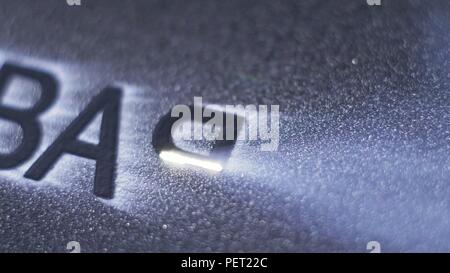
x: 365, y: 144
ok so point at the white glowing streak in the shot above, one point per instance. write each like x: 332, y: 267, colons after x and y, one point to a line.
x: 179, y: 158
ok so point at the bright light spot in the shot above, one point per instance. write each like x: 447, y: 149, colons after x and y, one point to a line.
x: 178, y: 158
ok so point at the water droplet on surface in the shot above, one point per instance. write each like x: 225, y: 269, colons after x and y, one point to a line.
x: 354, y: 61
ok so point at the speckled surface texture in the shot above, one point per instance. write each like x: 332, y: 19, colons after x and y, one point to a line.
x: 364, y: 94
